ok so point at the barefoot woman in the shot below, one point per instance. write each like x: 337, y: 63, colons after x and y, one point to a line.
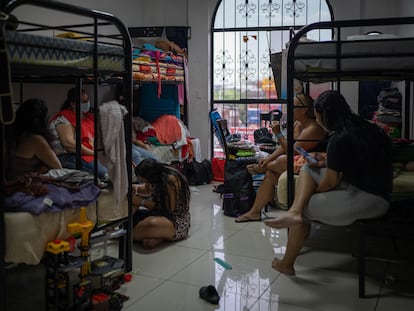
x: 165, y: 195
x: 355, y: 181
x: 305, y: 128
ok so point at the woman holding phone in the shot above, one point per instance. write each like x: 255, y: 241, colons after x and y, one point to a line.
x: 353, y: 182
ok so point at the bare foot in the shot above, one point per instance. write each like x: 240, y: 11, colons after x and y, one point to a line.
x: 150, y: 243
x: 280, y: 266
x: 285, y: 220
x: 254, y: 169
x: 249, y: 216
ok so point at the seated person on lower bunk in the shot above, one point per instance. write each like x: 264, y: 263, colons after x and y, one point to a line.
x: 162, y: 203
x: 306, y: 128
x: 354, y: 182
x: 27, y: 146
x: 63, y: 134
x: 140, y: 149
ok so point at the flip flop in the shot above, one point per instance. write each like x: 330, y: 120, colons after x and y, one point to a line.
x: 244, y: 218
x: 209, y: 294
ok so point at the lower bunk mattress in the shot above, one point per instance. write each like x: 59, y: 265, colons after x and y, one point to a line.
x: 28, y: 234
x: 403, y: 188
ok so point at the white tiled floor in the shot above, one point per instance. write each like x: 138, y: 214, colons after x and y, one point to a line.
x: 170, y: 277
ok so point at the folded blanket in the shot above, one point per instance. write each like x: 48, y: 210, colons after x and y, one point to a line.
x: 57, y: 199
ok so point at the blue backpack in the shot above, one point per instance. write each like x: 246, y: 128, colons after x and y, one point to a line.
x: 214, y: 116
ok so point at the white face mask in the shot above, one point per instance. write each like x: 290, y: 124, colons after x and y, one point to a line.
x: 85, y: 106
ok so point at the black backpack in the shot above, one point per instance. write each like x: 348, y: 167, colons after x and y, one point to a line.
x: 238, y: 191
x: 390, y: 98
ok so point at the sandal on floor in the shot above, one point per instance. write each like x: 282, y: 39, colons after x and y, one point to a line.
x: 244, y: 218
x: 209, y: 294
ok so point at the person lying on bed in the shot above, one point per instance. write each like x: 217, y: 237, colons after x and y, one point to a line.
x: 162, y: 204
x: 28, y: 149
x: 63, y: 134
x: 306, y: 128
x: 354, y: 182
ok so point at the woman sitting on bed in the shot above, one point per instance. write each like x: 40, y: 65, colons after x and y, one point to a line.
x: 63, y: 134
x: 353, y: 182
x: 28, y: 148
x: 162, y: 204
x: 304, y: 128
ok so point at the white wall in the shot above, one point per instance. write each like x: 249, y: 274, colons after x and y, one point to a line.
x: 197, y: 14
x: 194, y: 13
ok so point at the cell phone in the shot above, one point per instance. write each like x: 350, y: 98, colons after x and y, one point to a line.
x: 275, y: 115
x: 306, y: 155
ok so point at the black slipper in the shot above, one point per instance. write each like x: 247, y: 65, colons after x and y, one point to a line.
x: 209, y: 294
x: 245, y: 219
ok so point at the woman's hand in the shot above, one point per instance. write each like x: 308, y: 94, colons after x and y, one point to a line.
x: 143, y: 190
x: 320, y: 158
x: 137, y: 200
x: 264, y: 162
x: 275, y: 126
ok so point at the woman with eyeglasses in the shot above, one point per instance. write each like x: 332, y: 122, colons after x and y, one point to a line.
x: 63, y: 134
x: 308, y: 135
x: 353, y: 182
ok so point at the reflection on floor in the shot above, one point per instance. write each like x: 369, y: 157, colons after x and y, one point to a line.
x: 170, y: 277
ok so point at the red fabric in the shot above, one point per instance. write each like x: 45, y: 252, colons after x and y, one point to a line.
x: 171, y: 71
x: 87, y: 129
x: 157, y: 61
x: 143, y: 136
x: 167, y: 128
x: 145, y: 68
x: 217, y: 166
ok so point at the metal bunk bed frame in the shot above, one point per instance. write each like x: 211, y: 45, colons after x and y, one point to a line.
x: 125, y: 243
x: 382, y: 227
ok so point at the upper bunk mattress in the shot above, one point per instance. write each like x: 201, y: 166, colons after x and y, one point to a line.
x: 374, y: 57
x: 29, y: 49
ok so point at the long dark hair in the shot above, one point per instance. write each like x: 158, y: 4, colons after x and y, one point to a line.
x: 334, y: 110
x: 367, y: 140
x: 158, y: 175
x: 31, y: 117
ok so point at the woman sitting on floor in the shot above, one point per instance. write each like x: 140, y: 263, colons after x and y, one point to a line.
x: 162, y: 204
x: 305, y: 128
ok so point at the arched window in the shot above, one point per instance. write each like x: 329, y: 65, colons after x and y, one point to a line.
x: 244, y: 35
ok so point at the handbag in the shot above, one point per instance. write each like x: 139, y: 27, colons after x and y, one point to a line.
x: 263, y: 136
x: 198, y: 173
